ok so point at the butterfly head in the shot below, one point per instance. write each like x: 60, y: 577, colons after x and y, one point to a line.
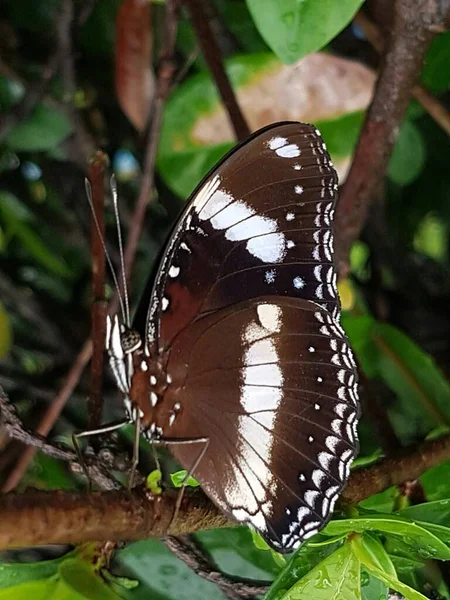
x: 127, y: 358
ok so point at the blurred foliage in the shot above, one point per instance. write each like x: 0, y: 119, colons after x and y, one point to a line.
x: 396, y: 300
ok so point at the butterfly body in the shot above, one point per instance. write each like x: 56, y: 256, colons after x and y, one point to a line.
x: 241, y: 344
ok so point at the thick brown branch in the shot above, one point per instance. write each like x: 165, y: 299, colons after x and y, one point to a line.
x: 65, y: 517
x: 38, y: 518
x: 395, y: 470
x: 434, y: 108
x: 415, y: 25
x: 198, y: 10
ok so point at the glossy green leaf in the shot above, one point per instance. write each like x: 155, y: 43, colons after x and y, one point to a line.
x: 390, y: 580
x: 421, y: 541
x: 301, y: 563
x: 372, y: 588
x: 335, y: 578
x: 43, y: 130
x: 261, y: 544
x: 436, y: 74
x: 16, y: 220
x: 375, y: 552
x: 408, y: 157
x: 34, y: 590
x: 293, y: 29
x: 437, y: 512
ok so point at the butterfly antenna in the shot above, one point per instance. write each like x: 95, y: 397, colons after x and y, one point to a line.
x: 122, y: 259
x: 108, y: 258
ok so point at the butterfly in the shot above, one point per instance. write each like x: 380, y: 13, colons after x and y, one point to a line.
x: 237, y: 358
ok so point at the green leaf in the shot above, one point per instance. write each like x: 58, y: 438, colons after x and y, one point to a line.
x: 233, y: 550
x: 374, y: 550
x: 43, y: 130
x: 423, y: 393
x: 179, y: 479
x: 436, y: 74
x: 183, y: 159
x: 294, y: 28
x: 16, y: 218
x: 37, y: 590
x: 422, y: 542
x: 431, y: 237
x: 387, y: 578
x: 431, y: 512
x: 408, y: 157
x: 341, y: 134
x: 14, y: 574
x: 302, y: 562
x: 335, y: 578
x: 372, y: 588
x: 153, y: 480
x: 162, y: 575
x: 436, y: 482
x: 48, y: 473
x: 78, y: 578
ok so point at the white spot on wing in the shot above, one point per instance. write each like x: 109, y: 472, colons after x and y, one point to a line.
x: 269, y: 316
x: 174, y: 271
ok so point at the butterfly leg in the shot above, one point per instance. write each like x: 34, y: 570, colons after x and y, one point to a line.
x: 190, y: 471
x: 134, y: 464
x: 76, y: 444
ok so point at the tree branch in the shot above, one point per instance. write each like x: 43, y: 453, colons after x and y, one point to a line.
x: 415, y: 25
x: 63, y: 517
x: 434, y: 108
x: 198, y: 10
x: 188, y: 551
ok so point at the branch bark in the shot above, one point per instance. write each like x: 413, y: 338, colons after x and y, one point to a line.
x: 37, y: 518
x: 416, y: 22
x: 199, y: 13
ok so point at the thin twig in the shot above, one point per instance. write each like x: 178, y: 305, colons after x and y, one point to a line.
x: 166, y: 70
x: 185, y: 548
x: 414, y: 28
x: 14, y: 428
x: 50, y: 416
x: 85, y: 145
x: 434, y: 108
x: 97, y: 169
x: 199, y: 13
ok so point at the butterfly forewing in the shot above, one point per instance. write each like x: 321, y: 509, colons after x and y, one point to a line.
x: 278, y: 402
x: 260, y: 224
